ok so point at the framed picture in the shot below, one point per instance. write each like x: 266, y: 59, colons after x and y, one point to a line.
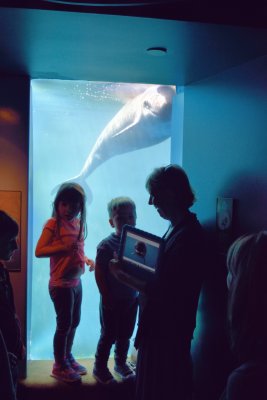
x: 10, y: 202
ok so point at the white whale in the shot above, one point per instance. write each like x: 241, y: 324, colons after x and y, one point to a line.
x: 142, y: 122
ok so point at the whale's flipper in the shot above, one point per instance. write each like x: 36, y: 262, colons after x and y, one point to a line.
x: 127, y: 128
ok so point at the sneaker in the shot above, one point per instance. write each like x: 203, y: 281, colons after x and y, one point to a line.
x: 64, y: 372
x: 78, y: 368
x: 123, y: 370
x: 103, y: 375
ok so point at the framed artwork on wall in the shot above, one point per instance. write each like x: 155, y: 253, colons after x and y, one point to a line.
x: 10, y: 202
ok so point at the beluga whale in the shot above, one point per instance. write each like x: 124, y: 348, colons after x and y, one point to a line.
x: 143, y: 121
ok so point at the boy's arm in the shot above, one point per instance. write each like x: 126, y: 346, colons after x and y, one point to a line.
x: 101, y: 282
x: 45, y: 248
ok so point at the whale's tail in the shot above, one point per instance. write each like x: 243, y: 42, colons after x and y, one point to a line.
x: 77, y: 179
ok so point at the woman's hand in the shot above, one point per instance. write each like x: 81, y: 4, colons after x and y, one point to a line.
x: 115, y: 266
x: 90, y: 262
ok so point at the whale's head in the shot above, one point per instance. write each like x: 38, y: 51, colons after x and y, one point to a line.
x: 157, y: 102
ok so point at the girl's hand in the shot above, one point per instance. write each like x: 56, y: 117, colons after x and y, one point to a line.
x: 90, y: 262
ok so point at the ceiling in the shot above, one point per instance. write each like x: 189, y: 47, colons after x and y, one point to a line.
x: 59, y: 41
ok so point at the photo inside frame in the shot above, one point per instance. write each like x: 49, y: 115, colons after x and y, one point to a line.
x: 140, y: 252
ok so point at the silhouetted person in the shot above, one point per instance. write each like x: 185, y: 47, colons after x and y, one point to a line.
x: 118, y: 303
x: 62, y: 240
x: 247, y: 315
x: 11, y: 338
x: 164, y: 365
x: 7, y: 387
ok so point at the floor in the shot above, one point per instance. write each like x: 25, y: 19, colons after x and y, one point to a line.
x: 39, y: 385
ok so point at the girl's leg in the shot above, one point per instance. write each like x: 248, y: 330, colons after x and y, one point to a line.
x: 63, y: 299
x: 76, y: 317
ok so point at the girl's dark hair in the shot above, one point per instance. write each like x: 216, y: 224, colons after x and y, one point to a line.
x: 247, y: 304
x: 174, y: 179
x: 71, y: 192
x: 8, y: 226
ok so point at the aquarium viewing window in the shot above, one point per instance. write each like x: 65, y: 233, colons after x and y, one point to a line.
x: 108, y: 137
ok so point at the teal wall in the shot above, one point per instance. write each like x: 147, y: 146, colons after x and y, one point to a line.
x: 225, y: 143
x: 224, y: 154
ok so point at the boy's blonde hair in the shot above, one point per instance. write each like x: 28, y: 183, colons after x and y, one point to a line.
x: 117, y: 202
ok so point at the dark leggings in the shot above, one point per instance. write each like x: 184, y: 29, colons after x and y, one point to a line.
x: 117, y: 325
x: 67, y: 303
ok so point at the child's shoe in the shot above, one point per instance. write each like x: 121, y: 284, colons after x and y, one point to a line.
x: 78, y: 368
x: 103, y: 375
x: 124, y: 371
x: 63, y: 372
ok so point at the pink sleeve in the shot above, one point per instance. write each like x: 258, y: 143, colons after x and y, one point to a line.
x: 50, y: 224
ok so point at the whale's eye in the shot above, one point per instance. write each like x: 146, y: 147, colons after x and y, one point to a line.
x: 147, y: 104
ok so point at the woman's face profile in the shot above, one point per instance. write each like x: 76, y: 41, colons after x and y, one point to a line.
x: 159, y: 202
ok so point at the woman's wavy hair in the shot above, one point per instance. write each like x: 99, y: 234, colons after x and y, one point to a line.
x: 174, y: 179
x: 247, y: 304
x: 71, y: 192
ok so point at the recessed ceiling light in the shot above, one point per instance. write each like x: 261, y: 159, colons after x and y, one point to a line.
x: 157, y: 51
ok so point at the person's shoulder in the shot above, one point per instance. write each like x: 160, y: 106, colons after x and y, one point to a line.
x: 50, y: 223
x: 248, y: 382
x: 190, y: 231
x: 193, y: 223
x: 108, y: 240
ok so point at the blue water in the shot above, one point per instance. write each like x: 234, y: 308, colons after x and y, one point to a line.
x: 67, y: 118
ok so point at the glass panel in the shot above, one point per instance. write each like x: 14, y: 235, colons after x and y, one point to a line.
x: 110, y: 137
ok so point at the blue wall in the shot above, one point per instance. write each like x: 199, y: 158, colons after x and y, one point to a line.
x: 224, y: 153
x: 225, y: 143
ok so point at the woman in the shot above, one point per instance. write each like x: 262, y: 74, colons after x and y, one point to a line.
x: 247, y: 314
x: 11, y: 344
x: 165, y: 331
